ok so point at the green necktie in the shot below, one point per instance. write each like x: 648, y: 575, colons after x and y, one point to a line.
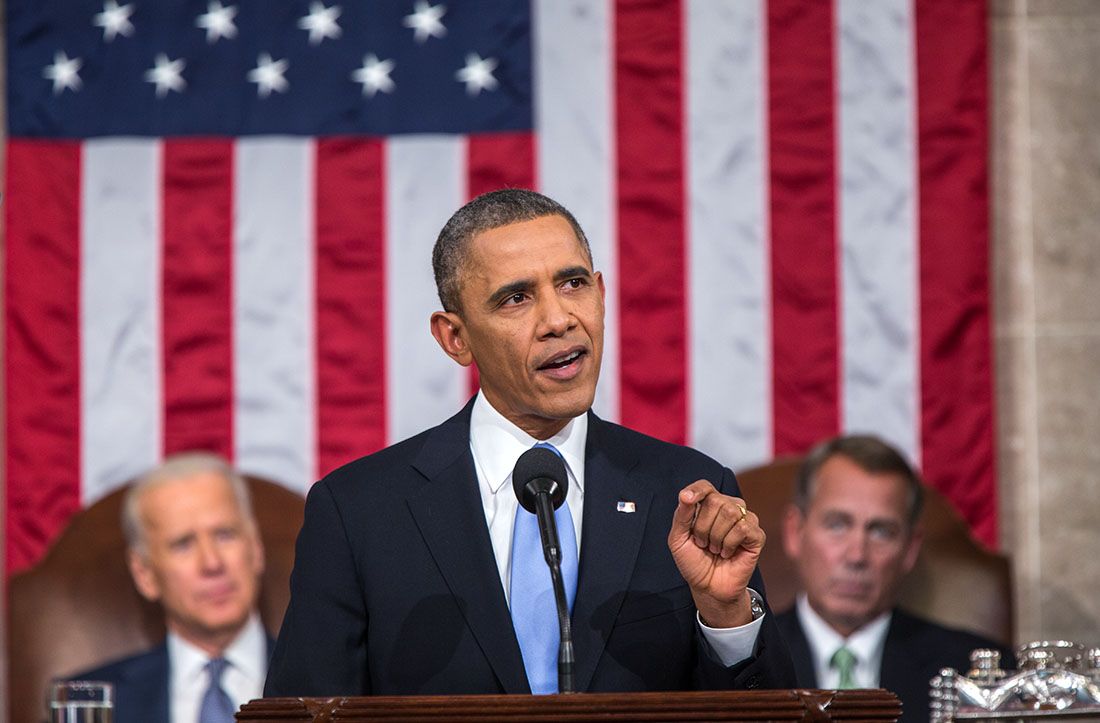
x: 844, y: 661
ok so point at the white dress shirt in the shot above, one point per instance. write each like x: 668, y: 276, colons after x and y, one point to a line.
x: 242, y: 680
x: 867, y: 644
x: 496, y: 444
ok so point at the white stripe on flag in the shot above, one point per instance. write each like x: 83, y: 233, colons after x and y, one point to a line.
x: 425, y: 184
x: 730, y: 408
x: 877, y: 157
x: 576, y: 152
x: 120, y: 374
x: 273, y: 376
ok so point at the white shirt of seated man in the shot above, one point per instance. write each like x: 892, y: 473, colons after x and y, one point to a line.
x: 242, y: 681
x: 867, y: 644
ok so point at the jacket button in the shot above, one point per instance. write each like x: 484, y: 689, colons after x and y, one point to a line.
x: 752, y: 683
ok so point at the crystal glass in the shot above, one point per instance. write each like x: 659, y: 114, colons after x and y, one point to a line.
x: 81, y: 701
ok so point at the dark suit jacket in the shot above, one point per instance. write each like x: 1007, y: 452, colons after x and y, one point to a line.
x: 141, y: 685
x: 915, y: 651
x: 395, y: 588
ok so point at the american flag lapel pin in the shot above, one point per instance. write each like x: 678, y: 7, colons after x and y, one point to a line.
x: 625, y: 506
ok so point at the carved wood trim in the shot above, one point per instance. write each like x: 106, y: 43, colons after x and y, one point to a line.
x: 777, y: 705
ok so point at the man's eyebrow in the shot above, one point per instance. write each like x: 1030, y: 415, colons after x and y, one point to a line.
x: 884, y: 522
x: 516, y: 287
x: 525, y: 285
x: 572, y: 272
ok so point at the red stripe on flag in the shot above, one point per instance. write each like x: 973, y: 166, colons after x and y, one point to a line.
x: 42, y: 345
x: 956, y: 357
x: 198, y: 296
x: 494, y: 161
x: 499, y: 160
x: 650, y: 177
x: 351, y: 300
x: 805, y: 328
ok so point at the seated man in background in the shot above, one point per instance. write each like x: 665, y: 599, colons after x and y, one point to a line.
x: 194, y: 547
x: 852, y: 532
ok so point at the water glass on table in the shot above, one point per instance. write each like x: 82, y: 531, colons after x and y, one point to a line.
x: 80, y: 701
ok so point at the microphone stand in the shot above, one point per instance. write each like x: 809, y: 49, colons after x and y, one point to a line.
x: 551, y: 548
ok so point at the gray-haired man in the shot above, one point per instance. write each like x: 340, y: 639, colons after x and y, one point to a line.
x: 193, y: 547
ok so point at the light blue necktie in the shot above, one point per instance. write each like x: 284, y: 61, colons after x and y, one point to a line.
x: 216, y: 706
x: 534, y: 614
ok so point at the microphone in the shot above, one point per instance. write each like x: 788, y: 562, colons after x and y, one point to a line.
x: 540, y: 483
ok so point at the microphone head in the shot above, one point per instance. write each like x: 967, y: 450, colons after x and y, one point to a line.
x: 540, y: 470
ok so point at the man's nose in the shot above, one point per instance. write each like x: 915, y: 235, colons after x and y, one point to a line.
x: 857, y: 548
x: 210, y: 555
x: 555, y: 316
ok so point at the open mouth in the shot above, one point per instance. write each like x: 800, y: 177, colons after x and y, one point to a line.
x: 563, y: 361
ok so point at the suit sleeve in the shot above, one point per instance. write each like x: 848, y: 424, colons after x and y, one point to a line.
x: 321, y: 649
x: 770, y: 665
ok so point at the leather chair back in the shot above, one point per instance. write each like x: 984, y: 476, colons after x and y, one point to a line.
x: 956, y: 581
x: 78, y: 606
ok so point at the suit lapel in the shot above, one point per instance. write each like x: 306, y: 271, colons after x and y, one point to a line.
x: 902, y: 661
x: 450, y: 517
x: 791, y: 628
x: 610, y: 541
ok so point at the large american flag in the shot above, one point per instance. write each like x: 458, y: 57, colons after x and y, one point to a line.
x: 219, y: 218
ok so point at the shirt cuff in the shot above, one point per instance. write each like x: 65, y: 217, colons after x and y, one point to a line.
x: 731, y: 646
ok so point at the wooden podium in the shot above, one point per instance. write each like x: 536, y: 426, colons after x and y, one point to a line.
x: 764, y: 705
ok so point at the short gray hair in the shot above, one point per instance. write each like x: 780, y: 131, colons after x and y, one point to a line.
x: 870, y: 454
x: 176, y: 467
x: 486, y: 212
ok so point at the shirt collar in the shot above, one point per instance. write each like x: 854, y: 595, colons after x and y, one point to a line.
x: 867, y: 643
x: 248, y: 648
x: 497, y: 443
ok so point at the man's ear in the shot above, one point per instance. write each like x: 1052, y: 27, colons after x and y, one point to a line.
x: 793, y: 520
x: 450, y: 333
x: 259, y: 561
x: 145, y: 578
x: 912, y: 549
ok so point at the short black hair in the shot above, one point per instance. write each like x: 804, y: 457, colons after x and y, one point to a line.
x: 870, y: 454
x: 488, y: 211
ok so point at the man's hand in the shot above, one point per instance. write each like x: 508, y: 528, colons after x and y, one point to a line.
x: 716, y: 541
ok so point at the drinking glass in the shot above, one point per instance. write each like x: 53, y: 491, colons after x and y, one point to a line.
x: 81, y: 701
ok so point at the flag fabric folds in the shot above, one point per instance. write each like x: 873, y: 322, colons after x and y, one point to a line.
x: 219, y: 218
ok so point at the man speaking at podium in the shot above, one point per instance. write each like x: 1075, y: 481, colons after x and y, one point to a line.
x: 415, y: 566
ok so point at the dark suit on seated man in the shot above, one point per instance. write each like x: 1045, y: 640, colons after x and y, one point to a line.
x: 194, y: 548
x: 853, y: 533
x: 412, y: 562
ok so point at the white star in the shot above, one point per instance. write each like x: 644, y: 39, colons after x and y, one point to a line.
x: 114, y: 20
x: 167, y: 75
x: 268, y: 75
x: 321, y: 22
x: 425, y: 21
x: 217, y: 21
x: 374, y: 75
x: 478, y: 74
x: 63, y: 73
